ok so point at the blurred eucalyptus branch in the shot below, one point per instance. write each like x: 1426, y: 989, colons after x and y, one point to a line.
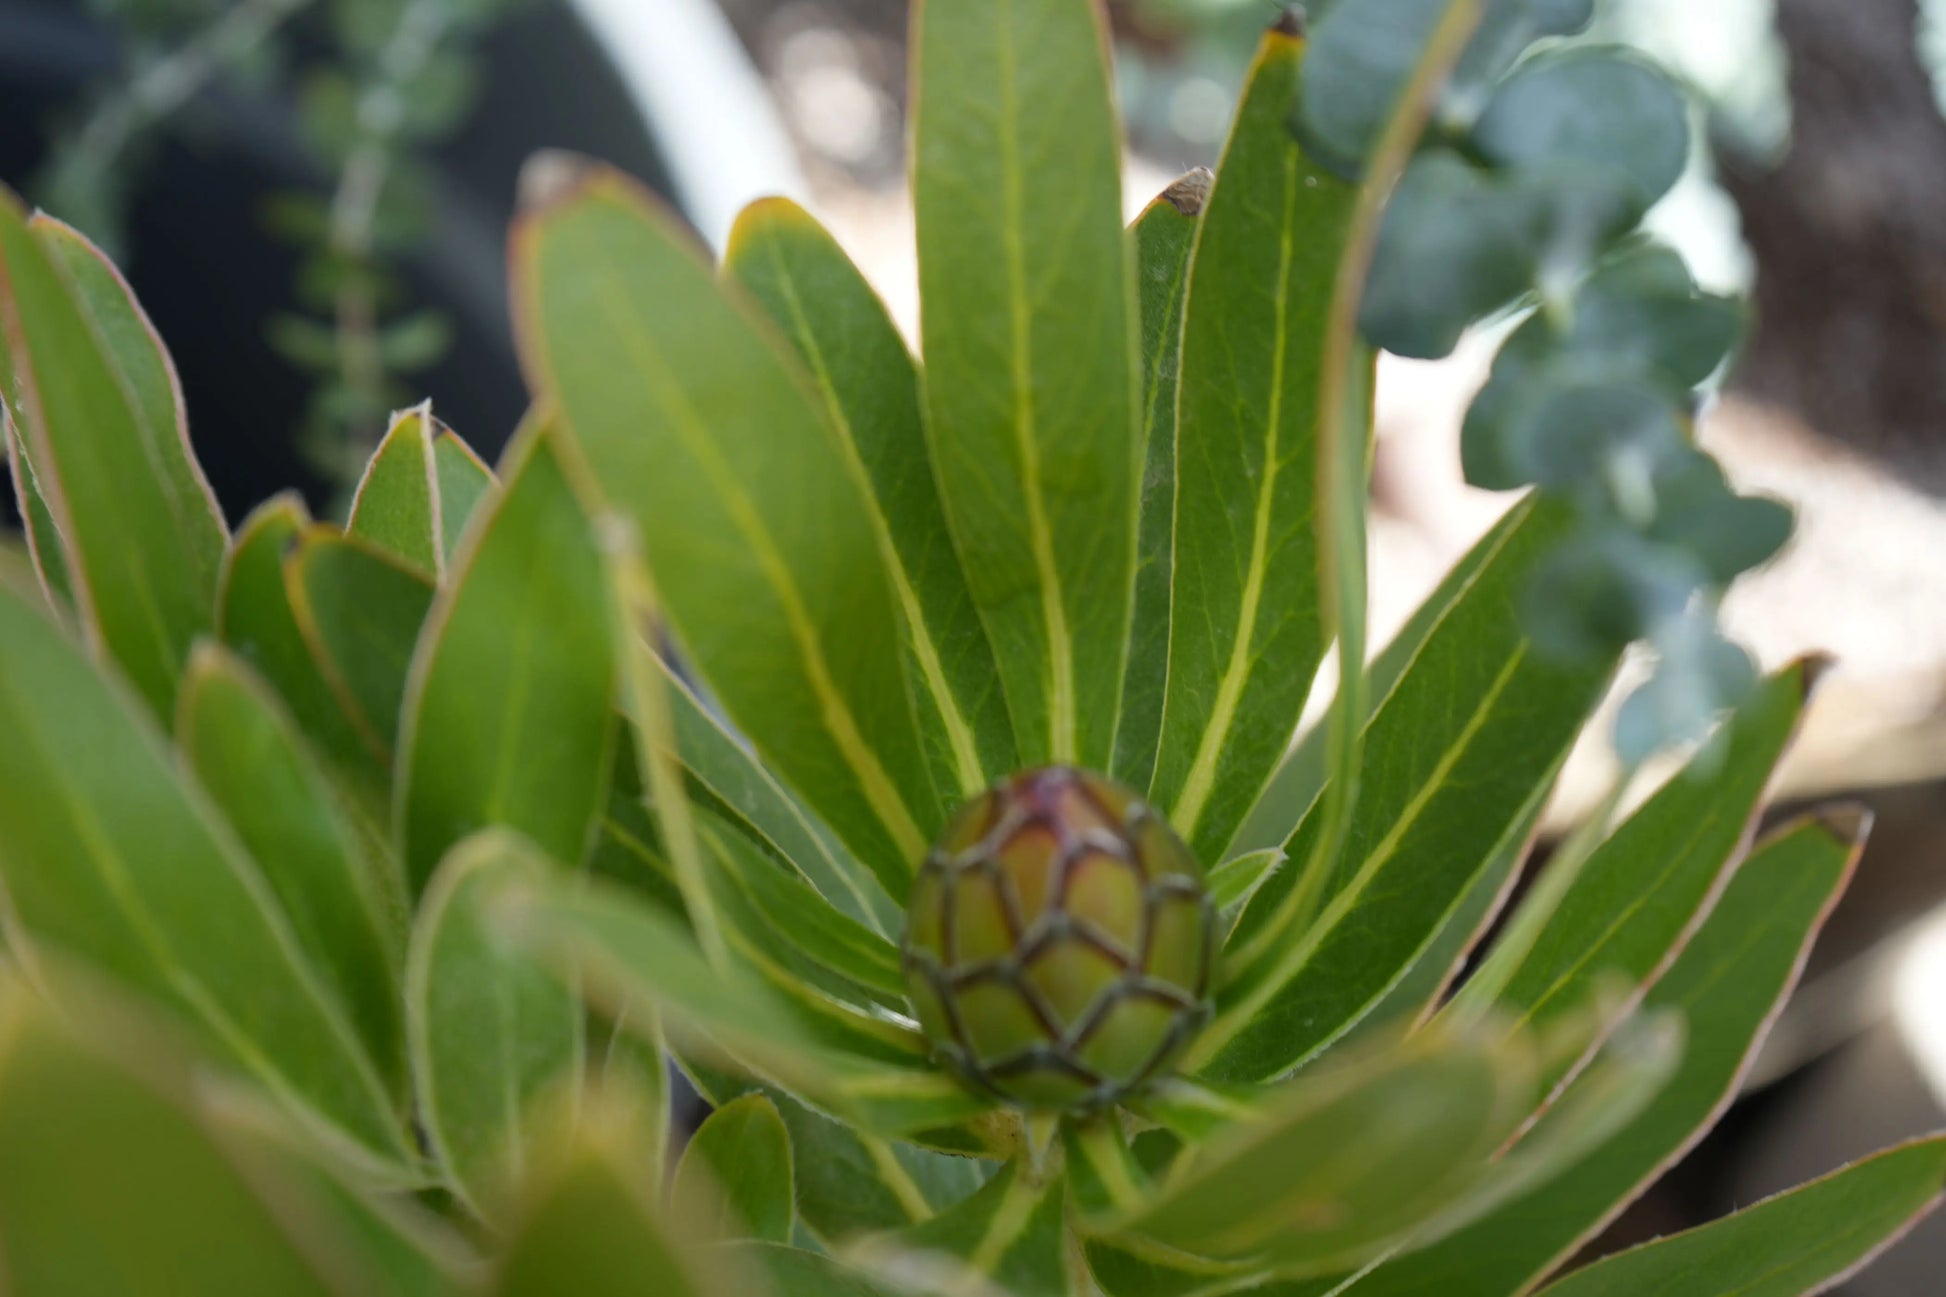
x: 395, y: 77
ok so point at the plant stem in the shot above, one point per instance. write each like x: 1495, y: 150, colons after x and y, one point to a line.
x: 169, y: 83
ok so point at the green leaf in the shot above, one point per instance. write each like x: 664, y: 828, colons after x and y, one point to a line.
x: 359, y: 610
x: 588, y: 1225
x: 851, y: 1183
x: 1245, y: 630
x: 1165, y: 234
x: 116, y: 1184
x: 490, y: 1029
x: 44, y: 543
x: 752, y: 515
x: 510, y: 705
x: 108, y: 854
x: 631, y: 952
x: 804, y: 1274
x: 1343, y: 1161
x: 343, y: 905
x: 464, y: 480
x: 1300, y: 776
x: 869, y: 385
x: 396, y: 506
x: 1457, y: 759
x: 1601, y: 115
x: 1797, y: 1242
x: 254, y: 617
x: 785, y: 913
x: 1011, y: 1234
x: 1727, y: 984
x: 99, y: 411
x: 1625, y: 912
x: 745, y: 791
x: 1027, y: 317
x: 734, y: 1179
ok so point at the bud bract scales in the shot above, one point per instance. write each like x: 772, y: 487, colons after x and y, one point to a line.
x: 1058, y: 942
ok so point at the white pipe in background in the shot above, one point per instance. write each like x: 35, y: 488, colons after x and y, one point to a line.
x: 708, y: 108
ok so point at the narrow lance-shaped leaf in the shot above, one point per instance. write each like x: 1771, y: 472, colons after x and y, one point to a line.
x: 630, y: 952
x: 396, y: 506
x: 745, y: 789
x: 100, y: 413
x: 734, y: 1180
x: 359, y: 610
x: 464, y: 480
x: 1245, y: 632
x: 510, y: 704
x: 1300, y: 776
x: 849, y: 1182
x: 1011, y: 1234
x: 1457, y: 759
x: 1727, y: 984
x: 44, y: 541
x: 108, y: 855
x: 1389, y: 1142
x: 1798, y: 1242
x: 491, y: 1029
x: 115, y: 1184
x: 1028, y: 323
x: 587, y: 1222
x: 699, y: 429
x: 344, y: 906
x: 1636, y: 899
x: 869, y: 385
x: 254, y: 617
x: 1164, y: 235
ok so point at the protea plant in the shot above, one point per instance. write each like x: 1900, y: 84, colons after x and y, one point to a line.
x: 904, y: 753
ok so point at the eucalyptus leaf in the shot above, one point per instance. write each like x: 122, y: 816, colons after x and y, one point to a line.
x: 1618, y: 120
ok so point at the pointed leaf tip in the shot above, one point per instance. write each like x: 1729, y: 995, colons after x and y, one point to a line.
x: 1848, y: 822
x: 551, y: 177
x: 1189, y: 191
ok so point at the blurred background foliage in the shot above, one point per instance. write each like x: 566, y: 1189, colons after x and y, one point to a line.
x: 329, y: 178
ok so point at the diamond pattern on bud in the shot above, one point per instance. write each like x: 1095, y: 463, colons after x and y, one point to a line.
x: 1058, y: 941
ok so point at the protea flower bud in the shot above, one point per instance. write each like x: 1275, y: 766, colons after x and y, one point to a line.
x: 1058, y: 942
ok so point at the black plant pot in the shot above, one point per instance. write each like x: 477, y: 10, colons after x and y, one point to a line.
x: 210, y: 275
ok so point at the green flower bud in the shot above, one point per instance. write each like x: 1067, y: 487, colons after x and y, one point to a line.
x: 1058, y: 942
